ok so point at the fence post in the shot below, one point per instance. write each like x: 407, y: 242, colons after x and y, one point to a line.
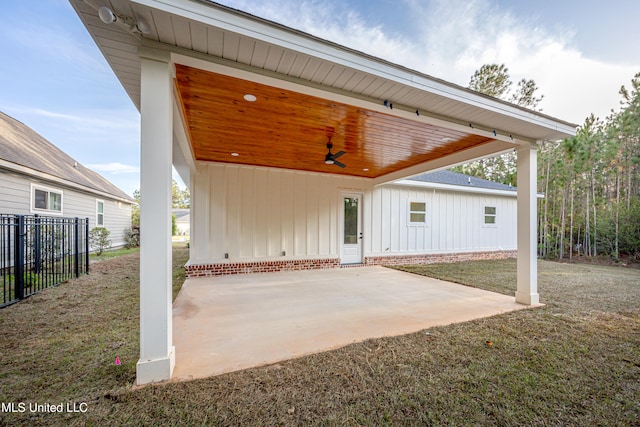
x: 18, y: 263
x: 86, y: 245
x: 76, y: 247
x: 37, y: 244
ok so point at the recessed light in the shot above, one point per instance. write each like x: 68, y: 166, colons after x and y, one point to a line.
x: 445, y: 139
x: 365, y: 170
x: 250, y: 97
x: 235, y: 154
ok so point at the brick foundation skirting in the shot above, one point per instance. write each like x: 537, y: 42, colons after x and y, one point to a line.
x: 222, y: 269
x: 435, y: 258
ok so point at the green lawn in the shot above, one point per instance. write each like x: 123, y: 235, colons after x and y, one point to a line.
x: 113, y: 253
x: 575, y: 361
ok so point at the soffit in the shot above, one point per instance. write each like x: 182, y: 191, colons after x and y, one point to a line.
x: 288, y: 129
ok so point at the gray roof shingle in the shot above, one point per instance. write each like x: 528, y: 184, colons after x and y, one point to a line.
x: 454, y: 178
x: 23, y: 146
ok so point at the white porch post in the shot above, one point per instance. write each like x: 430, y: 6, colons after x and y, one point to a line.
x: 527, y: 264
x: 157, y: 356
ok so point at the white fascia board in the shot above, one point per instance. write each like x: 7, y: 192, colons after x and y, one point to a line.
x: 272, y: 33
x: 183, y: 157
x: 490, y: 149
x: 28, y: 172
x: 458, y: 188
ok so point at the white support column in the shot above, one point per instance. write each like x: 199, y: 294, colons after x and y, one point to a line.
x: 527, y: 264
x: 157, y: 355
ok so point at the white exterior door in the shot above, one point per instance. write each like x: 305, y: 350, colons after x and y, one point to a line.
x: 351, y: 238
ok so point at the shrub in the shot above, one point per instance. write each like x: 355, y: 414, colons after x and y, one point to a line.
x: 132, y: 238
x: 99, y: 239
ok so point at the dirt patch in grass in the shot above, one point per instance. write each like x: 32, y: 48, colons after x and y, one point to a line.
x: 574, y: 362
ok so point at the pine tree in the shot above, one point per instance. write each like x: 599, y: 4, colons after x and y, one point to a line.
x: 494, y: 80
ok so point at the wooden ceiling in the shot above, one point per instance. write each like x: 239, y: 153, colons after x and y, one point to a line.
x: 286, y: 129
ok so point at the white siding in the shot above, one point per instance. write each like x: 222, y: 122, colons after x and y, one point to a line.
x: 15, y: 198
x: 257, y: 213
x: 454, y: 222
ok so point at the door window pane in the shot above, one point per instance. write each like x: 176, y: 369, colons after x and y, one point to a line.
x: 350, y: 221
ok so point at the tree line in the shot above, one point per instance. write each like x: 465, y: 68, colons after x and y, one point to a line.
x: 590, y: 182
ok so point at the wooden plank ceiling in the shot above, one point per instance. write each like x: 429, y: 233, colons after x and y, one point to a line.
x: 286, y: 129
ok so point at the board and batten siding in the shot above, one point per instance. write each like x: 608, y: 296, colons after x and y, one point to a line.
x: 454, y: 222
x: 15, y: 199
x: 257, y: 213
x: 264, y: 214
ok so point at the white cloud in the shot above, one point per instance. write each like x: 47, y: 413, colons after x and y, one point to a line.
x: 55, y: 43
x: 450, y: 39
x: 114, y: 168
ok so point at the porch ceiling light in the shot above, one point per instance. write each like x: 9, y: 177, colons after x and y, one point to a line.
x: 235, y: 154
x: 250, y: 97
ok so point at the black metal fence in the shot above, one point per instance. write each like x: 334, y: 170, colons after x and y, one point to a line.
x: 37, y: 252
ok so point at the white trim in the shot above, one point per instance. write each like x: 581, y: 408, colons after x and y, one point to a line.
x: 49, y: 190
x: 489, y: 149
x: 460, y: 188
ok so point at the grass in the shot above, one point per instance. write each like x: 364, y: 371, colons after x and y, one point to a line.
x: 112, y: 253
x: 575, y: 361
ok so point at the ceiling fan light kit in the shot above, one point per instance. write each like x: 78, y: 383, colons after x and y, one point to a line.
x: 330, y: 158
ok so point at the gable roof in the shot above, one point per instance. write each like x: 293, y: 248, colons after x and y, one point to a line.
x: 453, y: 178
x: 22, y: 146
x: 244, y: 52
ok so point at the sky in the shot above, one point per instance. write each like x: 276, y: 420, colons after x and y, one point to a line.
x: 579, y: 52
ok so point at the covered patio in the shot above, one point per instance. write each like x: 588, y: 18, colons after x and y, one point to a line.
x: 228, y: 323
x: 217, y: 86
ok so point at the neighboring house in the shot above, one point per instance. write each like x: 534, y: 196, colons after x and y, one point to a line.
x: 36, y: 177
x: 183, y: 219
x: 256, y: 117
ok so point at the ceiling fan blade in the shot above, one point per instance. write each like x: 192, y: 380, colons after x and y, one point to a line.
x: 338, y: 154
x: 337, y: 163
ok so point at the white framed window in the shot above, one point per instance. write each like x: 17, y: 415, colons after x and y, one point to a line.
x: 490, y: 216
x: 417, y: 213
x: 46, y: 200
x: 99, y: 213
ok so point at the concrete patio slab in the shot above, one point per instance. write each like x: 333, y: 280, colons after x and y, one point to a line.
x: 227, y: 323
